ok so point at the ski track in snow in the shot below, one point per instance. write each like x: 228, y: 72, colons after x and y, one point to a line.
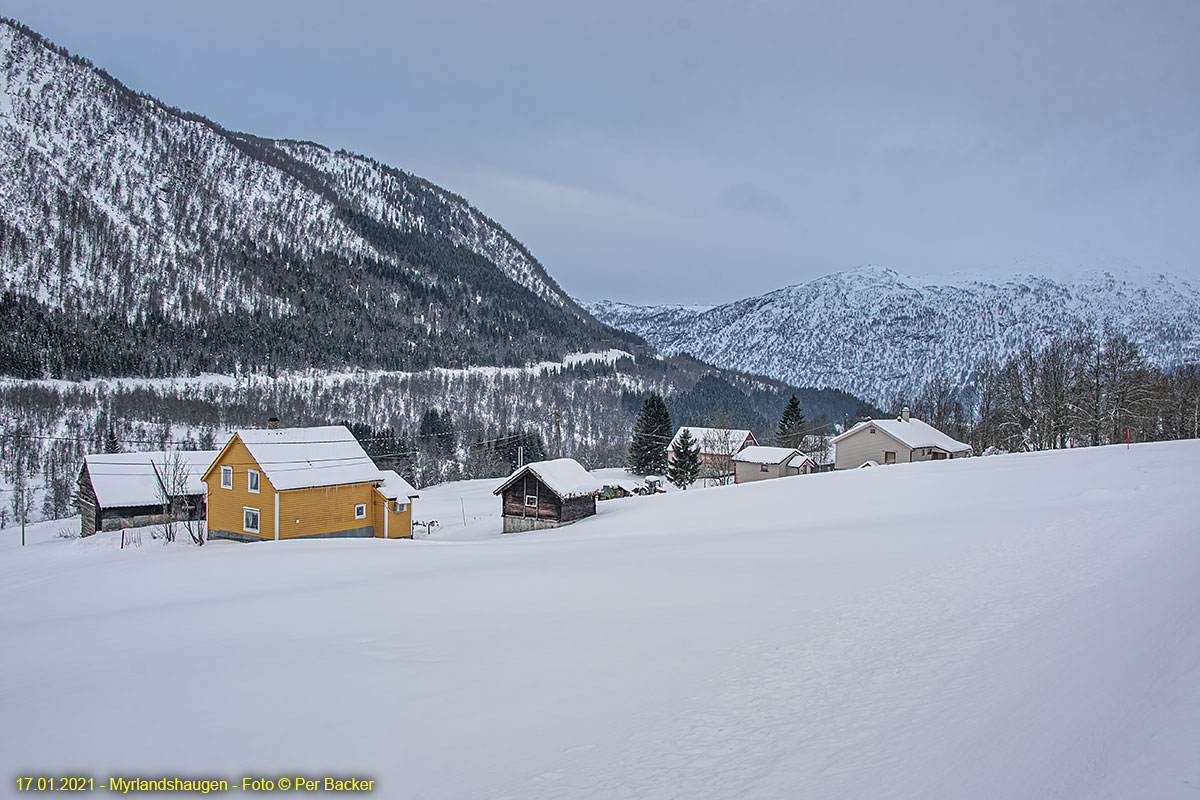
x: 1021, y: 626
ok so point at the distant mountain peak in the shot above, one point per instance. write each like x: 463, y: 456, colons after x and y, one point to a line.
x: 873, y: 332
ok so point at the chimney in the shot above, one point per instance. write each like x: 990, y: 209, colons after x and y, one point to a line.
x: 905, y: 414
x: 273, y: 422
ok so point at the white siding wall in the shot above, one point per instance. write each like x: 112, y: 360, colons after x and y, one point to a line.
x: 863, y: 446
x: 747, y: 473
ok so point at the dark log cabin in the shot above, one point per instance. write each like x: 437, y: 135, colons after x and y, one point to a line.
x: 547, y: 494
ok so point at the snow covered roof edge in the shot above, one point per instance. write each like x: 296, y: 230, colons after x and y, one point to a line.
x: 913, y: 433
x: 566, y: 477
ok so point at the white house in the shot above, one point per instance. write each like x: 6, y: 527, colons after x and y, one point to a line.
x: 894, y: 441
x: 757, y: 463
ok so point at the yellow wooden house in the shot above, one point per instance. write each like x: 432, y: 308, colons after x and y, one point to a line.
x: 303, y: 483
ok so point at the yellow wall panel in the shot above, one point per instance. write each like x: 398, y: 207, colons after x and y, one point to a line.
x: 225, y: 506
x: 325, y: 509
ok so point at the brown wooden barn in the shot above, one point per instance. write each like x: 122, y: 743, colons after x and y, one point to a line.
x: 547, y: 494
x: 126, y: 490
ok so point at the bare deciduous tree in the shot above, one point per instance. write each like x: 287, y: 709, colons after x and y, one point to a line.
x: 173, y: 474
x: 717, y: 448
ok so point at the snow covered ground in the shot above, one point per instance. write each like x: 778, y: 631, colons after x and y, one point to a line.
x: 1022, y: 626
x: 312, y: 377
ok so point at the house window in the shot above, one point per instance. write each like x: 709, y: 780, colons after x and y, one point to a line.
x: 531, y: 500
x: 401, y: 507
x: 226, y: 477
x: 360, y: 511
x: 872, y: 430
x: 250, y: 520
x: 252, y: 480
x: 889, y: 457
x: 762, y: 467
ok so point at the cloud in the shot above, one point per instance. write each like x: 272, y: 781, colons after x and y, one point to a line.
x: 745, y: 198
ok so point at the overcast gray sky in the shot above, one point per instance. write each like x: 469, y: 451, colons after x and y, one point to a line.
x: 699, y: 152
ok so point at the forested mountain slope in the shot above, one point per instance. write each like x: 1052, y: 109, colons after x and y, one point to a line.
x: 137, y: 239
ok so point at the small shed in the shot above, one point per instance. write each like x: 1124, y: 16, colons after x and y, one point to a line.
x: 128, y: 490
x: 547, y: 494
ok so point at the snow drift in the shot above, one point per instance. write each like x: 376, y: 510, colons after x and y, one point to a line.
x: 1019, y: 626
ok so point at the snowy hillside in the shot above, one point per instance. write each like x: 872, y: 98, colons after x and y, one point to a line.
x: 1010, y: 627
x: 588, y: 398
x: 123, y: 218
x: 874, y: 333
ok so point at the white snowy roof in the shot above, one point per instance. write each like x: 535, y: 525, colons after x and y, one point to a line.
x: 712, y: 439
x: 913, y: 433
x: 758, y: 454
x: 300, y: 458
x: 797, y: 461
x: 121, y: 480
x: 394, y: 487
x: 566, y: 477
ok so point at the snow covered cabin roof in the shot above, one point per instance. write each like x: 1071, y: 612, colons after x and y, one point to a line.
x: 723, y: 438
x: 911, y: 432
x: 566, y: 477
x: 301, y: 458
x: 394, y: 487
x: 758, y: 454
x: 797, y: 461
x: 124, y: 480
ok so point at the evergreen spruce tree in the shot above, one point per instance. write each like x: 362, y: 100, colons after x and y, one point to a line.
x: 684, y: 470
x: 111, y: 445
x: 651, y: 434
x: 791, y: 425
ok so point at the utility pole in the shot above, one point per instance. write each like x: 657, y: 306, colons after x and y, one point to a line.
x: 558, y: 431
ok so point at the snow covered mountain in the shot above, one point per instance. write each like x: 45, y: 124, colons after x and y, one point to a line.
x: 125, y: 220
x: 874, y: 333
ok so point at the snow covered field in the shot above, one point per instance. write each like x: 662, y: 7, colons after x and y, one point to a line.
x: 1022, y: 626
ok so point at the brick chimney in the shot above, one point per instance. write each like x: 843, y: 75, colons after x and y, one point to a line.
x: 273, y: 423
x: 904, y: 415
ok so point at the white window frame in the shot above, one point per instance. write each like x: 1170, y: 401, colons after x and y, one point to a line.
x: 360, y: 511
x: 257, y: 520
x: 253, y: 481
x: 401, y: 507
x: 532, y: 497
x: 226, y: 473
